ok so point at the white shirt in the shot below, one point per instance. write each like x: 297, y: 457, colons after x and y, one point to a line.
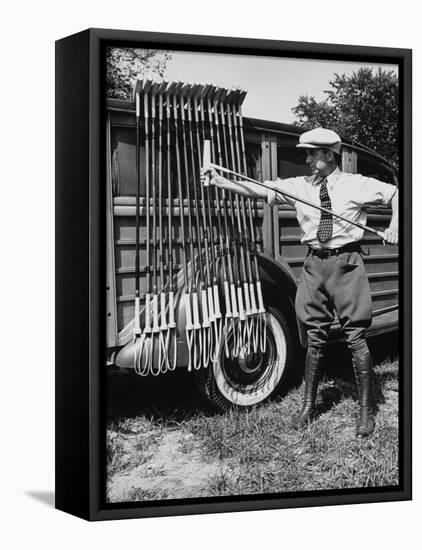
x: 350, y: 194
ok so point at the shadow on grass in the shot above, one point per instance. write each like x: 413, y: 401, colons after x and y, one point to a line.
x: 170, y: 395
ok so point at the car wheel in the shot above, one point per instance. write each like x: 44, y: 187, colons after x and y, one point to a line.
x: 249, y: 379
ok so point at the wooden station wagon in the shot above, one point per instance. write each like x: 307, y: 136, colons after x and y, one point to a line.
x: 270, y: 153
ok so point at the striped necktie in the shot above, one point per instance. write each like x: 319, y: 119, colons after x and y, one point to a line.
x: 325, y: 228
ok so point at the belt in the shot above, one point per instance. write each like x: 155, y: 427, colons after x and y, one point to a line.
x: 327, y: 252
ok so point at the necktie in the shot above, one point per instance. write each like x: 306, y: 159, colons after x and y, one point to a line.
x: 325, y: 228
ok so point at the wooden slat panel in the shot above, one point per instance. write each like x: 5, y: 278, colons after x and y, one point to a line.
x: 274, y: 220
x: 349, y: 161
x: 268, y: 236
x: 381, y: 264
x: 384, y: 284
x: 383, y: 275
x: 111, y: 307
x: 380, y: 302
x: 125, y: 251
x: 125, y: 312
x: 384, y: 298
x: 293, y: 251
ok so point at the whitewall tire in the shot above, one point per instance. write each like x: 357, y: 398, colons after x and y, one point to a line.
x: 250, y: 379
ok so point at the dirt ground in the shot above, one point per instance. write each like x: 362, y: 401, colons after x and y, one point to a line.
x: 160, y: 445
x: 172, y: 468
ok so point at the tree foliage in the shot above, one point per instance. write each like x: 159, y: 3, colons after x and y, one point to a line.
x: 362, y: 107
x: 123, y: 65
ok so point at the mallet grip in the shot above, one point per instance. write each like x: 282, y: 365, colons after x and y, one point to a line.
x: 138, y: 104
x: 206, y: 162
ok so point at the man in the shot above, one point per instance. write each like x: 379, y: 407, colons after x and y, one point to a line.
x: 333, y: 276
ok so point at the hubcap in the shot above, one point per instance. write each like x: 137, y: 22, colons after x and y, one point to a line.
x: 248, y: 368
x: 249, y: 362
x: 250, y: 377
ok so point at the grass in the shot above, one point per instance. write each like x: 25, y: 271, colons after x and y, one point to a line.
x: 258, y: 451
x: 264, y: 453
x: 122, y: 456
x: 137, y: 494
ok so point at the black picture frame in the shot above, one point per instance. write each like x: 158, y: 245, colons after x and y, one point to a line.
x: 80, y: 274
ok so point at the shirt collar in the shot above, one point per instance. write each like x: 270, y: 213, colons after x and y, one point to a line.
x: 331, y: 178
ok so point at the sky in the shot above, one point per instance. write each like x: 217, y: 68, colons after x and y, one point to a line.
x: 274, y: 84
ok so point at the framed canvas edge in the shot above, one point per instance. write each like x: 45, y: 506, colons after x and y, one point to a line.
x: 216, y: 506
x: 248, y: 45
x: 97, y: 509
x: 72, y: 378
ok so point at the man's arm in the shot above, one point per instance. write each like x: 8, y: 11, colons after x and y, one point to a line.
x: 391, y: 234
x: 245, y: 188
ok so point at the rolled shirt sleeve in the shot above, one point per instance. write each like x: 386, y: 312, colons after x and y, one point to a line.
x: 373, y: 192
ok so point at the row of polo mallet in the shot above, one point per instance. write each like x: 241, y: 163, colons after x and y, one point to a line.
x: 222, y: 290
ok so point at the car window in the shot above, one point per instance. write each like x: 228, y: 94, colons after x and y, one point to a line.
x: 374, y: 168
x: 291, y: 162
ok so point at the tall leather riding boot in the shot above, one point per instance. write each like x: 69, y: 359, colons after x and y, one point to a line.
x: 362, y: 365
x: 313, y: 362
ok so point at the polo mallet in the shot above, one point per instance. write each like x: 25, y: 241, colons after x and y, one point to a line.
x: 206, y: 326
x: 295, y: 198
x: 196, y: 332
x: 155, y: 314
x: 247, y: 283
x: 137, y: 332
x: 220, y: 244
x: 244, y: 305
x: 171, y: 336
x: 207, y: 301
x: 144, y: 341
x: 213, y: 295
x: 163, y: 359
x: 235, y: 288
x: 259, y: 335
x: 228, y: 277
x: 188, y: 310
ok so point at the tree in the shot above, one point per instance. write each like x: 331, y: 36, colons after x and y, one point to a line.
x: 123, y: 65
x: 362, y: 107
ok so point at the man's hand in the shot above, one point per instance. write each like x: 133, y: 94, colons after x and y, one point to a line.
x: 391, y: 235
x: 244, y: 188
x: 213, y: 175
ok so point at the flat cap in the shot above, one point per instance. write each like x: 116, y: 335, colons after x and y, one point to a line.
x: 320, y: 138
